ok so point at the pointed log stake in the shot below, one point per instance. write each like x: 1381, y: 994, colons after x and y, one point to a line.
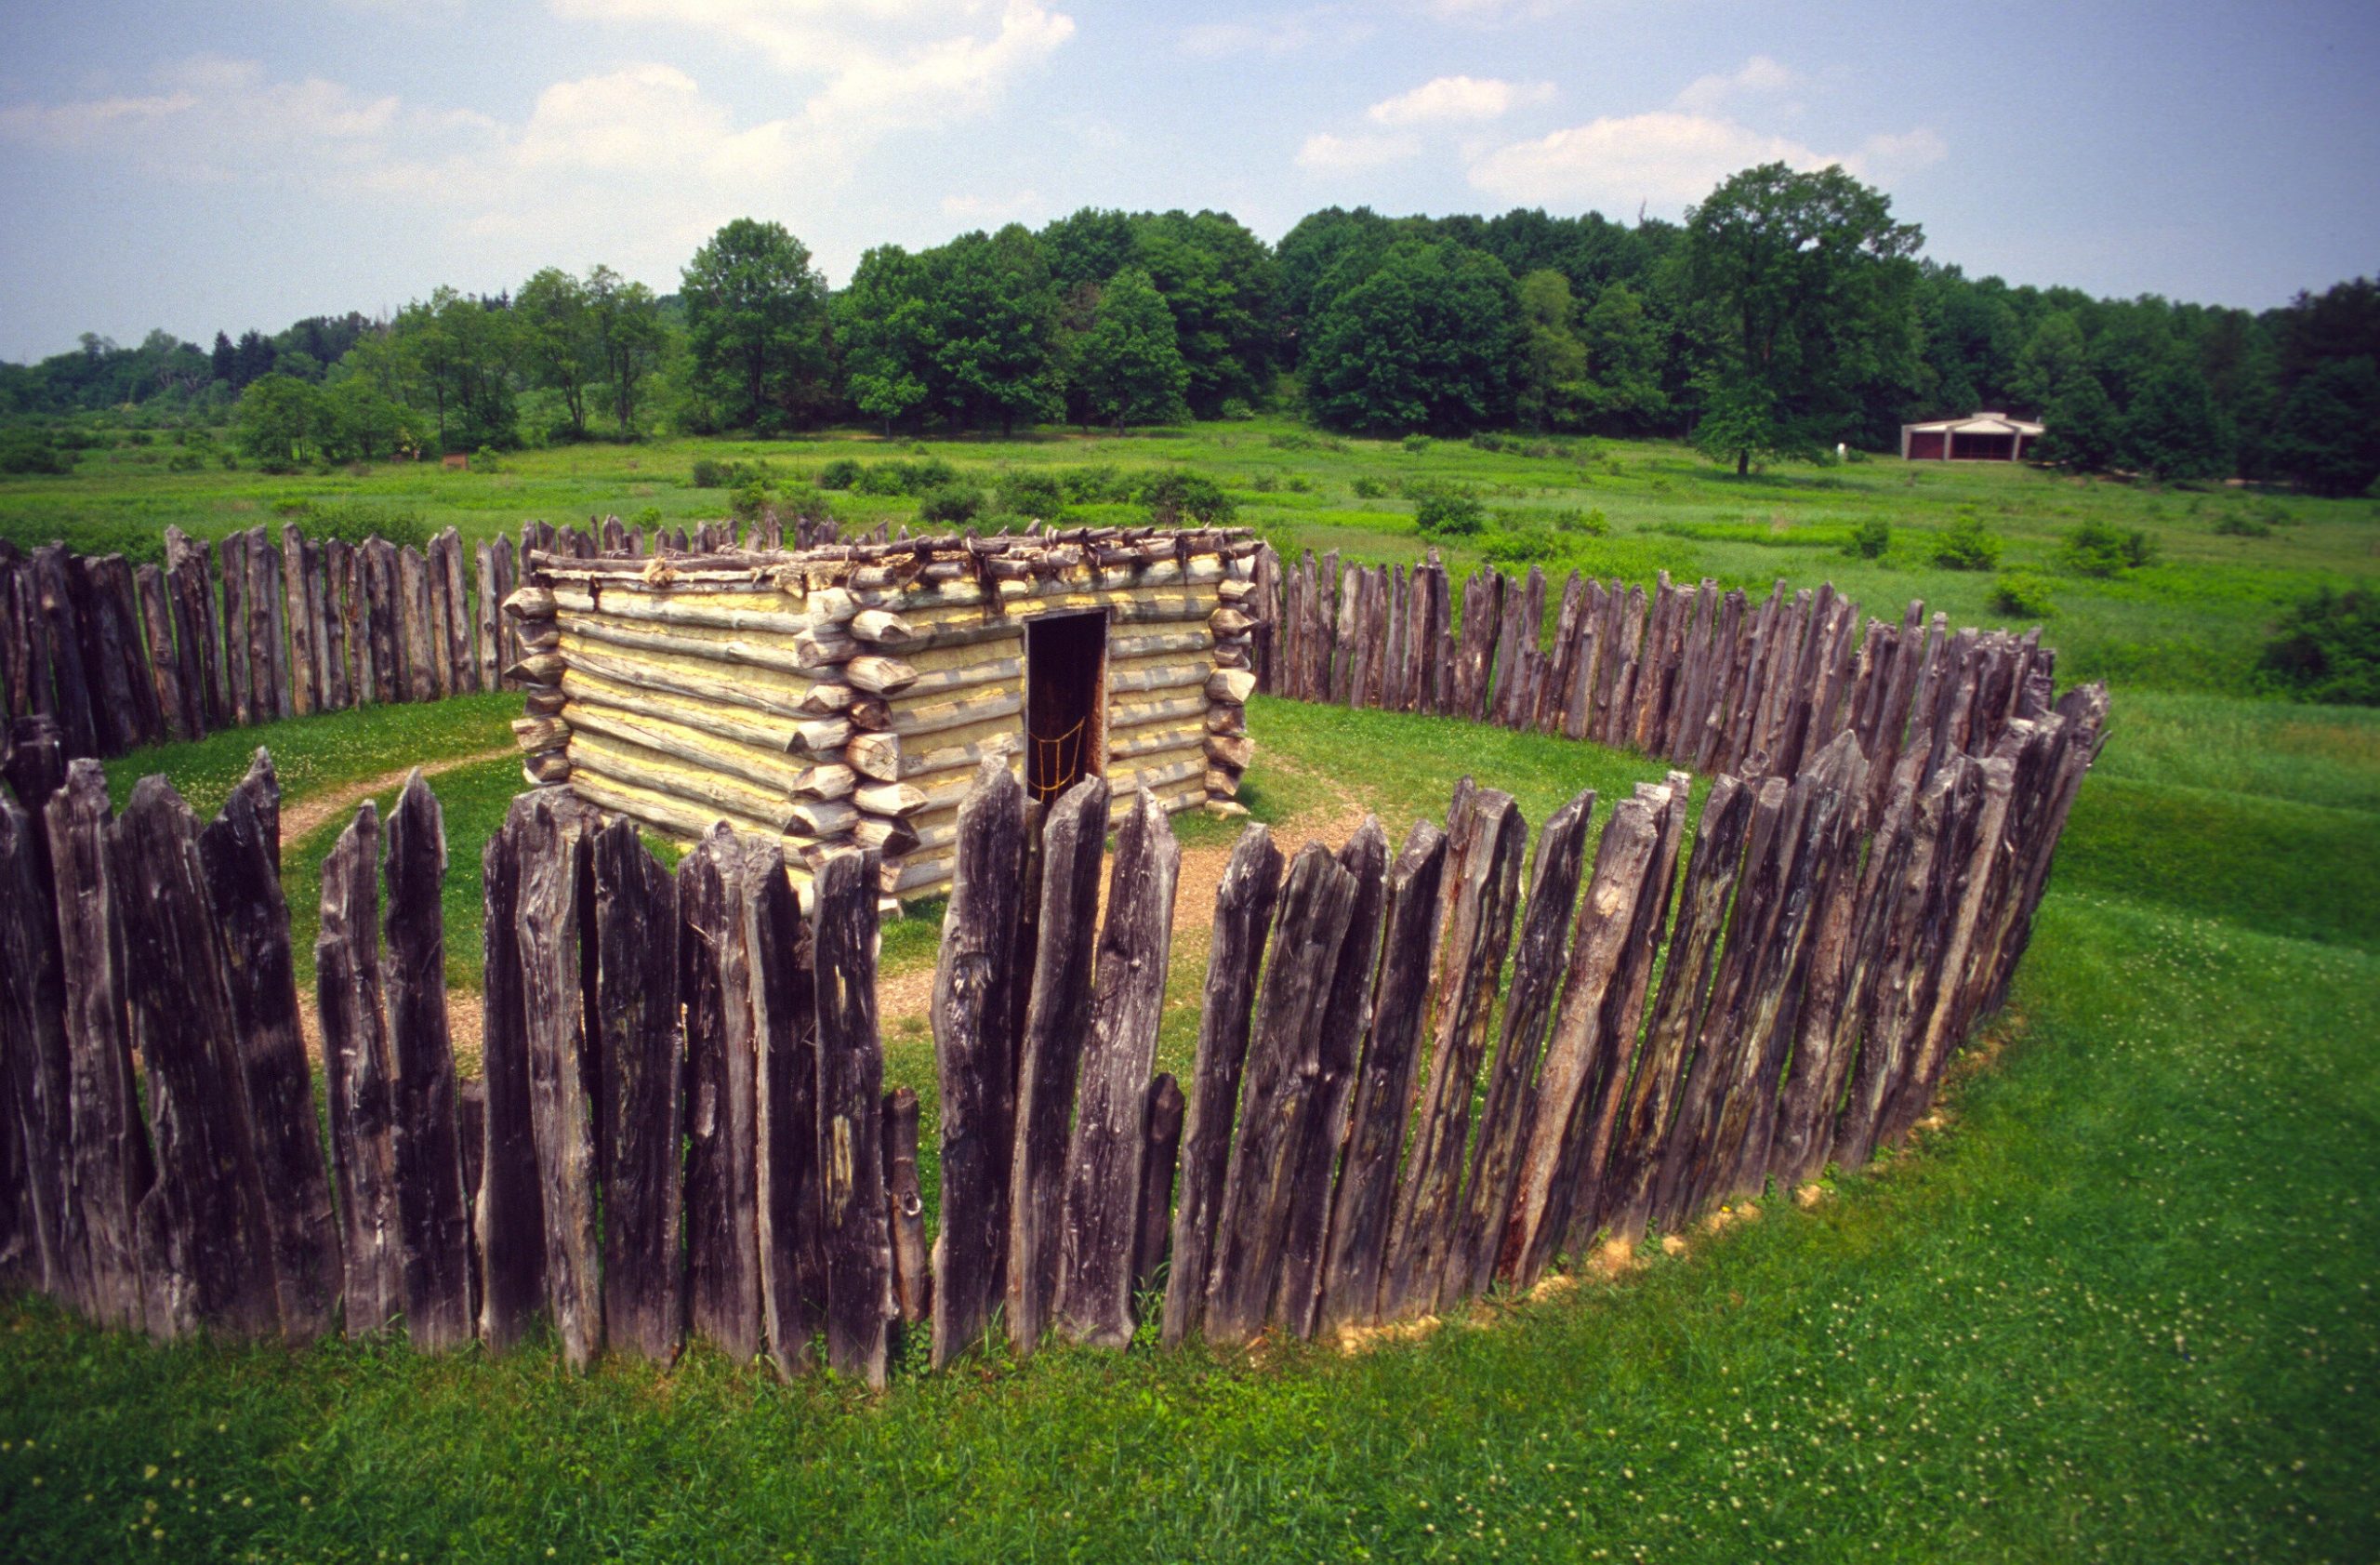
x: 722, y: 1181
x: 207, y: 1242
x: 1057, y: 1016
x: 111, y: 1171
x: 32, y: 1016
x: 1346, y: 1012
x: 851, y: 1078
x: 1383, y: 1092
x: 241, y: 851
x: 1318, y: 900
x: 1598, y: 946
x: 1164, y: 1136
x: 549, y: 919
x: 510, y: 1216
x: 430, y: 1167
x: 1244, y: 900
x: 638, y: 1087
x: 975, y: 1036
x: 1504, y: 1117
x: 1484, y: 874
x: 355, y: 1057
x: 795, y: 1277
x: 905, y: 1207
x: 1109, y: 1148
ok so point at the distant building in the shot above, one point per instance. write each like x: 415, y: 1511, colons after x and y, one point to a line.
x: 1981, y: 437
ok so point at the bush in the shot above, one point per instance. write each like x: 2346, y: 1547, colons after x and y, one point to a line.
x: 185, y: 461
x: 709, y: 473
x: 1099, y: 484
x: 2101, y: 549
x: 26, y: 451
x: 2023, y: 596
x: 1416, y: 444
x: 1594, y: 523
x: 2240, y: 524
x: 1870, y: 540
x: 951, y: 504
x: 354, y: 521
x: 1265, y: 482
x: 1445, y: 509
x: 1235, y: 410
x: 2327, y: 649
x: 1033, y: 492
x: 1180, y: 495
x: 1966, y: 546
x: 484, y: 460
x: 879, y: 478
x: 841, y: 473
x: 745, y: 503
x: 1369, y: 489
x: 649, y: 518
x: 1520, y: 545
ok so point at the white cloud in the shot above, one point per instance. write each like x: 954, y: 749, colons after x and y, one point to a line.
x: 1326, y: 153
x: 1760, y: 76
x: 884, y: 62
x: 1883, y: 157
x: 1457, y: 99
x: 1488, y: 13
x: 986, y: 211
x: 1667, y: 158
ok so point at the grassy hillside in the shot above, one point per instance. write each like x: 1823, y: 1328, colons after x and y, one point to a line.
x: 2192, y: 621
x: 2118, y: 1305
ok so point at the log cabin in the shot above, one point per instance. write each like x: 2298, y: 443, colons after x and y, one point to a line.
x: 846, y: 693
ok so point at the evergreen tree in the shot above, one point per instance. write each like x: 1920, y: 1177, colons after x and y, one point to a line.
x: 225, y: 360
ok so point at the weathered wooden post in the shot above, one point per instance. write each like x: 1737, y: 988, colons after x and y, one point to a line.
x: 975, y: 1021
x: 553, y: 889
x: 241, y: 851
x: 640, y: 1105
x: 1056, y: 1019
x: 851, y: 1080
x: 361, y: 1079
x: 1109, y: 1149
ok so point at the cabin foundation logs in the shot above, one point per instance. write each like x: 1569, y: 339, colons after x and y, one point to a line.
x: 843, y: 694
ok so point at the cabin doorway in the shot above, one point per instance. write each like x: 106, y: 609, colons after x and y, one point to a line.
x: 1065, y: 701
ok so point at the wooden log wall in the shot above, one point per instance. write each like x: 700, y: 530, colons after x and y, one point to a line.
x: 258, y: 625
x: 696, y: 1057
x: 1706, y: 679
x: 844, y: 694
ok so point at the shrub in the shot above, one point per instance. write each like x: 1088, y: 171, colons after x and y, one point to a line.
x: 1369, y: 489
x: 1033, y: 492
x: 27, y: 451
x: 879, y: 478
x: 2101, y: 549
x: 1178, y: 495
x: 1098, y: 485
x: 745, y: 503
x: 184, y: 461
x: 2023, y: 596
x: 952, y: 504
x: 648, y: 518
x: 354, y: 521
x: 1445, y: 509
x: 2240, y: 524
x: 709, y: 473
x: 1966, y: 546
x: 841, y: 473
x: 1235, y: 410
x: 484, y: 460
x: 1265, y: 482
x: 1416, y: 444
x: 1594, y: 523
x: 1521, y: 545
x: 1870, y: 540
x: 2327, y: 649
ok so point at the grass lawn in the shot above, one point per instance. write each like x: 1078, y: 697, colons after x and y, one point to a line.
x: 2117, y: 1306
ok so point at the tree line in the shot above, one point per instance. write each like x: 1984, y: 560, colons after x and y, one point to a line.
x: 1789, y: 311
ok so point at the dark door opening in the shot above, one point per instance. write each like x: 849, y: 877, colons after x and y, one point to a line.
x: 1066, y: 707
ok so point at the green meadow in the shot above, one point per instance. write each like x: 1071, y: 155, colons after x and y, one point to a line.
x: 2117, y: 1305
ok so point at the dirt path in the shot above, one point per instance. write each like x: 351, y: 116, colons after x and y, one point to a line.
x: 301, y: 818
x: 1330, y: 823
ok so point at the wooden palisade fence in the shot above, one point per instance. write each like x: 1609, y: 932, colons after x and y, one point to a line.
x: 267, y: 624
x: 680, y: 1127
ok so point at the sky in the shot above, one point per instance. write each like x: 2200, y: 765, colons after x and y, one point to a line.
x: 202, y: 167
